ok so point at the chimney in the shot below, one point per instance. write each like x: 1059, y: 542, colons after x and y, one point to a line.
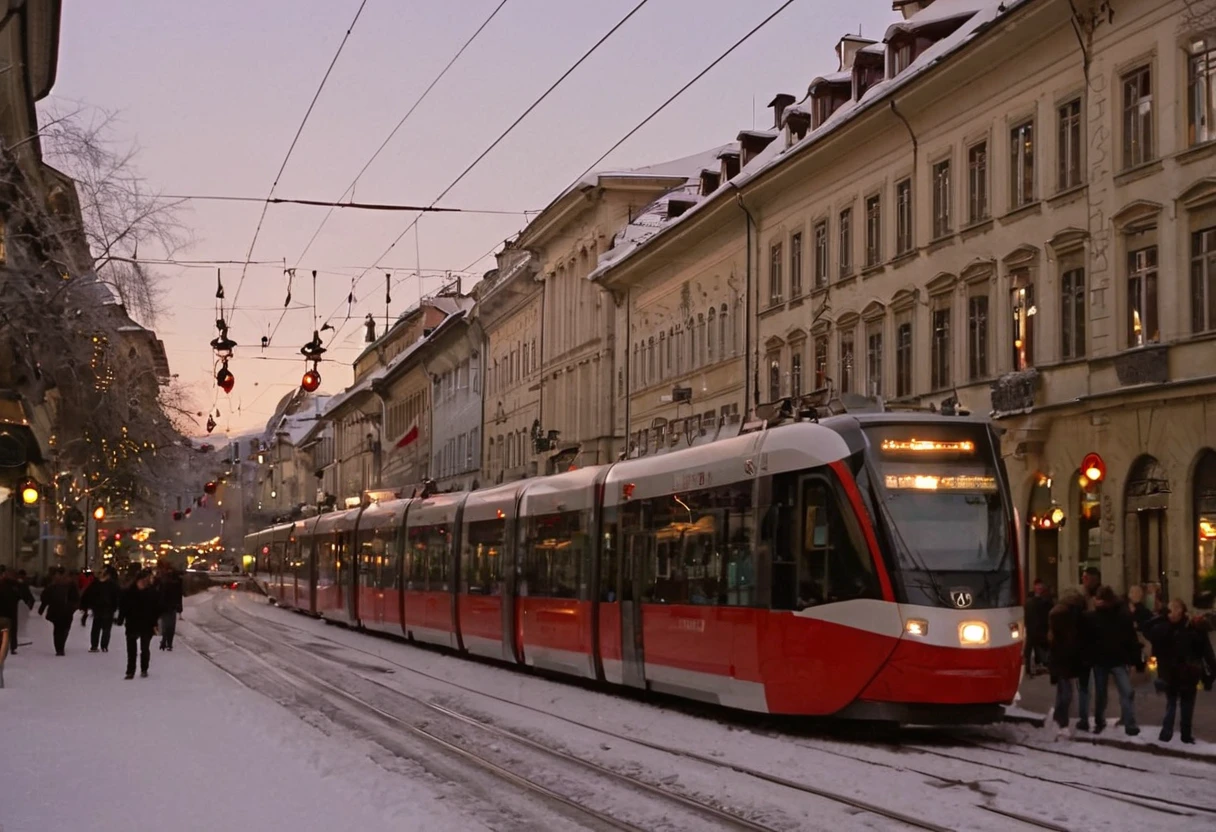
x: 847, y: 48
x: 370, y: 336
x: 780, y: 101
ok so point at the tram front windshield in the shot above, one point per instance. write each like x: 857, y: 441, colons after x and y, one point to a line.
x: 941, y: 494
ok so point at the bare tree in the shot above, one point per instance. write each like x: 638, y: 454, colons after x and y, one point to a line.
x: 68, y: 340
x: 121, y: 212
x: 1198, y: 17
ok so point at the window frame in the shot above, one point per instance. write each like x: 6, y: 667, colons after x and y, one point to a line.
x: 796, y: 264
x: 874, y: 357
x: 1022, y: 160
x: 904, y: 349
x: 1201, y: 92
x: 941, y: 309
x: 979, y: 203
x: 1073, y: 319
x: 905, y: 222
x: 1147, y: 283
x: 846, y: 358
x: 1203, y: 280
x: 1022, y: 298
x: 821, y: 254
x: 1137, y: 117
x: 1070, y: 145
x: 943, y: 225
x: 978, y: 335
x: 845, y: 242
x: 775, y: 253
x: 873, y: 208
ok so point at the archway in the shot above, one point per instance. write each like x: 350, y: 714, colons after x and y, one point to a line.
x: 1146, y: 503
x: 1204, y: 528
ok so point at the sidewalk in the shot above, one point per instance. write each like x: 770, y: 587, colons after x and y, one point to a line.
x: 1037, y: 697
x: 186, y: 749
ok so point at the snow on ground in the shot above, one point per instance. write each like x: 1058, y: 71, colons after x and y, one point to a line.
x: 186, y: 749
x: 1055, y: 781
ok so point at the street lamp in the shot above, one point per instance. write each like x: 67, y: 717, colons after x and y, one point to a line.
x: 30, y: 493
x: 99, y: 513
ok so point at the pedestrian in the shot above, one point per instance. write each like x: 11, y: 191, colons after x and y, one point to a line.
x: 12, y: 594
x: 1064, y: 662
x: 59, y: 601
x: 1091, y: 582
x: 1141, y: 614
x: 139, y: 610
x: 1038, y: 611
x: 23, y: 612
x: 83, y: 580
x: 1184, y: 661
x: 170, y: 586
x: 1113, y: 647
x: 100, y: 597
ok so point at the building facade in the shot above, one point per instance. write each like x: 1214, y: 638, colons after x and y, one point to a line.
x: 508, y: 312
x: 989, y: 208
x: 452, y: 362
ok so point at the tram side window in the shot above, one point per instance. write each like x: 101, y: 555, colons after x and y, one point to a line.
x: 484, y: 543
x: 609, y: 556
x: 556, y: 553
x: 299, y: 552
x: 832, y: 562
x: 373, y: 557
x: 701, y: 547
x: 428, y: 567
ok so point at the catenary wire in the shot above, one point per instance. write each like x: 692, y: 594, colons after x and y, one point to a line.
x: 502, y: 136
x: 351, y: 187
x: 262, y: 218
x: 363, y: 206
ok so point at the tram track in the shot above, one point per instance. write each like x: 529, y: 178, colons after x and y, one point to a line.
x: 707, y: 816
x: 855, y: 803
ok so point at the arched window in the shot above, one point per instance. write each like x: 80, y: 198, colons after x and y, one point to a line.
x: 710, y: 333
x: 774, y: 379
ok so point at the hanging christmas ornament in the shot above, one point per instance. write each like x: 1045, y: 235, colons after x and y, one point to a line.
x: 186, y: 513
x: 177, y: 515
x: 210, y: 424
x: 219, y: 285
x: 210, y: 487
x: 222, y: 344
x: 313, y: 350
x: 224, y: 378
x: 291, y: 273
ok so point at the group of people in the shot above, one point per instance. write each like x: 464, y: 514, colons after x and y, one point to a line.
x: 143, y: 602
x: 1092, y: 635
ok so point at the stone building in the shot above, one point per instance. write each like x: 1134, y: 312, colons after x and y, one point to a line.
x: 998, y: 204
x: 451, y: 361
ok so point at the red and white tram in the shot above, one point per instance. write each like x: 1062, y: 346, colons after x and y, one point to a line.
x: 862, y: 566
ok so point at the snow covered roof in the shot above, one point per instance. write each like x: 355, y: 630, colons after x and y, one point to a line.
x: 844, y: 76
x: 296, y: 426
x: 938, y: 12
x: 980, y: 15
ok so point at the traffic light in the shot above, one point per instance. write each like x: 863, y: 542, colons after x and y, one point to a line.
x: 30, y: 492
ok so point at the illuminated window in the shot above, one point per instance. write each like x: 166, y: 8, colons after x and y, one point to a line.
x: 1022, y: 306
x: 1142, y: 297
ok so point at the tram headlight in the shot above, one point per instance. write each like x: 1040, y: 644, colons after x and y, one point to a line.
x: 1015, y: 631
x: 916, y: 627
x: 973, y: 633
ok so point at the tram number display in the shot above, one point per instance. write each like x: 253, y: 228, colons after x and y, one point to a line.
x: 908, y: 447
x: 933, y: 482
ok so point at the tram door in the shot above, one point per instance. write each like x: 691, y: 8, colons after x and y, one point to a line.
x: 633, y: 560
x: 511, y: 651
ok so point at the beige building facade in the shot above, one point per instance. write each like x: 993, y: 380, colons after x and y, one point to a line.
x: 989, y: 207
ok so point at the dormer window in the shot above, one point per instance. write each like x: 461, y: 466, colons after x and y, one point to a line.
x: 754, y: 141
x: 710, y: 180
x: 901, y: 57
x: 909, y: 38
x: 868, y: 70
x: 730, y: 165
x: 828, y: 94
x: 798, y: 122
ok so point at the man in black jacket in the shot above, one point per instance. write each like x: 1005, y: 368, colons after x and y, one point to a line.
x: 12, y: 593
x: 59, y: 601
x: 1113, y: 646
x: 101, y: 598
x: 1038, y: 609
x: 170, y: 587
x: 139, y: 607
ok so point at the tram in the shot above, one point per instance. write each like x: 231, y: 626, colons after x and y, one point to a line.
x: 860, y: 566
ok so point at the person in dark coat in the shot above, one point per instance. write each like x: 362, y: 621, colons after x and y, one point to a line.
x: 169, y: 584
x: 1184, y: 659
x: 101, y: 598
x: 1112, y: 646
x: 12, y: 593
x: 1038, y: 610
x: 1065, y: 635
x: 1141, y: 614
x: 139, y: 609
x: 59, y: 601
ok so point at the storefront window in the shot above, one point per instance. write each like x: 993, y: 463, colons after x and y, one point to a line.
x: 1205, y: 531
x: 1089, y: 527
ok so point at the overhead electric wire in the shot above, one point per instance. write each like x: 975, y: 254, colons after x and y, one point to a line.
x: 364, y: 206
x: 292, y: 147
x: 500, y: 138
x: 351, y: 187
x: 664, y: 105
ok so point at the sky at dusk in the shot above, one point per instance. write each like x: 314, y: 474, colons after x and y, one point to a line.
x: 212, y: 94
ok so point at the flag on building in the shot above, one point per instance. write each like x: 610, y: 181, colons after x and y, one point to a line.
x: 408, y: 438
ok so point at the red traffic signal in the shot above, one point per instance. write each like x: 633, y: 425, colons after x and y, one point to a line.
x: 210, y: 487
x: 1093, y: 468
x: 311, y: 381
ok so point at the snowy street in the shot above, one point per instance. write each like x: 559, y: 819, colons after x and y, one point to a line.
x: 265, y: 719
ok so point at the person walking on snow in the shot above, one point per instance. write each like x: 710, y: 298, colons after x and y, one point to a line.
x: 1113, y: 646
x: 12, y: 593
x: 1065, y: 663
x: 1038, y: 610
x: 170, y: 587
x: 139, y: 608
x: 1184, y: 659
x: 100, y: 598
x: 59, y: 601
